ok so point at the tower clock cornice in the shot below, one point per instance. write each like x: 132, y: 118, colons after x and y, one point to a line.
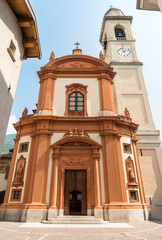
x: 126, y: 63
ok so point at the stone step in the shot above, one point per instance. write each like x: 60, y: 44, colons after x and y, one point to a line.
x: 74, y: 220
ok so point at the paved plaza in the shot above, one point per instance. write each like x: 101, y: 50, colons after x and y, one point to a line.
x: 151, y: 230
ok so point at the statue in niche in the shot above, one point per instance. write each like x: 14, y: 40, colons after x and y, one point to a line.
x: 130, y: 171
x: 19, y: 173
x: 131, y: 175
x: 127, y: 113
x: 25, y: 113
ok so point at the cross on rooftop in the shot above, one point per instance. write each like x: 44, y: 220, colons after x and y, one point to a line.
x: 111, y: 6
x: 77, y: 44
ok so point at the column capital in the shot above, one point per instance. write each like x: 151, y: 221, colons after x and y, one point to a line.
x: 55, y: 157
x: 105, y: 76
x: 96, y: 158
x: 46, y: 76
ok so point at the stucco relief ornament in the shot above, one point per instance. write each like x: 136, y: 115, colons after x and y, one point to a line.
x: 52, y: 56
x: 25, y: 113
x: 76, y: 132
x: 101, y: 56
x: 77, y: 65
x: 127, y: 113
x: 75, y: 162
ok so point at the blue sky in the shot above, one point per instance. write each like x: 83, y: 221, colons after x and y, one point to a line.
x: 61, y: 23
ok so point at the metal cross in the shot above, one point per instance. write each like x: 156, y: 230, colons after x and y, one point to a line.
x: 111, y: 6
x: 77, y: 44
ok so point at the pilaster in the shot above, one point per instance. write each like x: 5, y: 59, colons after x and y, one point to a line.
x: 46, y: 93
x: 106, y: 93
x: 41, y: 166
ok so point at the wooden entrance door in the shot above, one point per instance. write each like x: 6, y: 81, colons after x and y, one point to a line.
x: 75, y: 201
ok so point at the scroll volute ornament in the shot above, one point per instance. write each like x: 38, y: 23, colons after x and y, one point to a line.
x: 130, y: 172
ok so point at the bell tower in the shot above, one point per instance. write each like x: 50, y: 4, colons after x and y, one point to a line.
x: 130, y: 92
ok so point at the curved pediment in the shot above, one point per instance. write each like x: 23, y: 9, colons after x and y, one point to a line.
x: 77, y: 61
x: 77, y: 65
x: 76, y: 141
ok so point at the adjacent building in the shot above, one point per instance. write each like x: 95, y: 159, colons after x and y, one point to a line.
x: 153, y: 5
x: 18, y: 40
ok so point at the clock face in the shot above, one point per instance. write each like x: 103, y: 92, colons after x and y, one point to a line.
x: 123, y: 51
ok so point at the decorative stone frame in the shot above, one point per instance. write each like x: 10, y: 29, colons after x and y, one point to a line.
x: 59, y: 167
x: 129, y: 152
x: 15, y: 200
x: 15, y: 183
x: 133, y: 201
x: 23, y: 144
x: 76, y: 87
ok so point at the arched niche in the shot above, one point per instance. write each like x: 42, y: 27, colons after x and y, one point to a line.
x: 120, y: 32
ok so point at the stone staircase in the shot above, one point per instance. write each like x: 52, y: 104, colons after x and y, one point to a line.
x: 74, y: 220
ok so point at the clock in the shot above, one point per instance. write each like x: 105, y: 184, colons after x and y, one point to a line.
x: 123, y: 51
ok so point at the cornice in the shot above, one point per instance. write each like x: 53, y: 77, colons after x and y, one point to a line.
x: 122, y: 120
x: 126, y: 63
x: 120, y: 18
x: 121, y: 41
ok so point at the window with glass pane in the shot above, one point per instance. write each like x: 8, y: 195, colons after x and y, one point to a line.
x: 76, y: 102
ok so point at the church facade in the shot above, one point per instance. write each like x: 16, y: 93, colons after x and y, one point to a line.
x: 78, y: 154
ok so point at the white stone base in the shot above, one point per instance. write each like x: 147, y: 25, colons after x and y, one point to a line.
x: 125, y: 215
x: 36, y: 215
x: 52, y: 213
x: 90, y: 212
x: 111, y: 215
x: 106, y: 215
x: 98, y: 213
x: 2, y: 214
x: 14, y: 215
x: 60, y: 212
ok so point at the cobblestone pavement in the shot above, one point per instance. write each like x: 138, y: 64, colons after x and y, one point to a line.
x: 132, y: 231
